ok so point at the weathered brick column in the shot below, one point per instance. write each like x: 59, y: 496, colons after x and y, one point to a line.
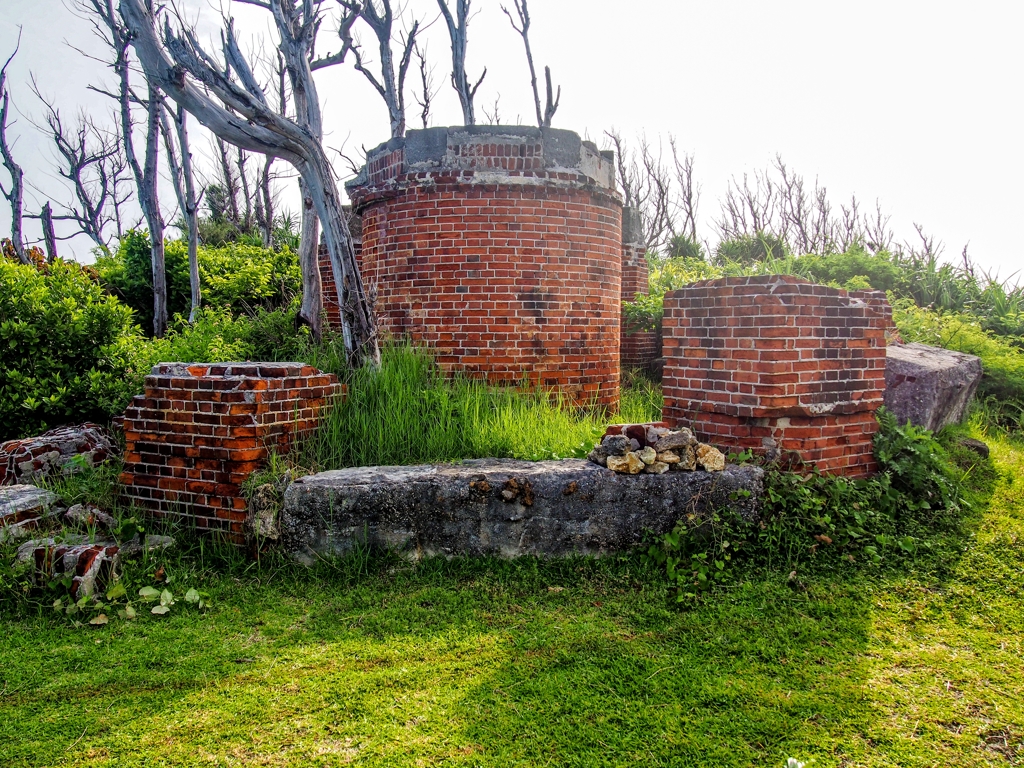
x: 200, y: 430
x: 499, y: 247
x: 776, y: 363
x: 641, y: 348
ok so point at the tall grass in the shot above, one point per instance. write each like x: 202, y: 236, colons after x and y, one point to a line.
x: 410, y: 412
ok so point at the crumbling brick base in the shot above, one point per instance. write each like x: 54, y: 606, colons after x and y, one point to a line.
x: 199, y: 431
x: 778, y: 365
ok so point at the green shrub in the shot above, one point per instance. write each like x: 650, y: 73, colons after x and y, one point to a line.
x: 870, y: 270
x: 1002, y: 357
x: 750, y: 249
x: 905, y: 510
x: 66, y: 348
x: 240, y: 277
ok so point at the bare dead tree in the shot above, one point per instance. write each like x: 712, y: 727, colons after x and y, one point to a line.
x: 242, y: 163
x: 111, y: 29
x: 15, y: 192
x: 748, y: 209
x: 229, y: 183
x: 381, y: 22
x: 93, y: 162
x: 49, y: 236
x: 238, y: 113
x: 493, y: 117
x: 428, y: 89
x: 878, y: 235
x: 523, y: 28
x: 647, y: 185
x: 458, y: 30
x: 688, y: 195
x: 265, y: 198
x: 179, y: 158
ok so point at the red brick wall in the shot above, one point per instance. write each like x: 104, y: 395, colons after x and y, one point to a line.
x: 332, y: 311
x: 514, y: 275
x: 776, y: 362
x: 638, y: 349
x: 199, y: 430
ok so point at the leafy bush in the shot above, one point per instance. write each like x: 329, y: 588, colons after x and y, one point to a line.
x: 806, y: 516
x: 750, y: 249
x: 66, y: 346
x: 239, y: 276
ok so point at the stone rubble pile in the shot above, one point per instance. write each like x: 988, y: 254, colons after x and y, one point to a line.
x: 655, y: 449
x: 62, y: 451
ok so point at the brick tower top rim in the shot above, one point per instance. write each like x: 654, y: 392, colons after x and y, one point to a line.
x: 496, y: 149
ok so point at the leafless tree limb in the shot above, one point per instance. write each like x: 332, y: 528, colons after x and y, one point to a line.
x: 94, y: 164
x: 381, y: 22
x: 238, y: 117
x: 523, y: 28
x: 458, y: 30
x: 15, y: 193
x: 427, y: 86
x: 183, y: 180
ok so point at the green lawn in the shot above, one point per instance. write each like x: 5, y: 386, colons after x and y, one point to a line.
x: 543, y: 663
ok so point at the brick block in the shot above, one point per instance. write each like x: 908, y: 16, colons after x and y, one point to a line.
x: 816, y: 354
x: 190, y: 464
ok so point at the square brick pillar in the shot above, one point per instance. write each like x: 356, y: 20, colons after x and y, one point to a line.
x: 776, y: 363
x: 200, y: 430
x: 641, y: 348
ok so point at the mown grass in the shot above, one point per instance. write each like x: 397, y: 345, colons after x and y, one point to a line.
x: 373, y: 661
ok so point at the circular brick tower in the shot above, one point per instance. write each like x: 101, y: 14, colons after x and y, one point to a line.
x: 500, y: 248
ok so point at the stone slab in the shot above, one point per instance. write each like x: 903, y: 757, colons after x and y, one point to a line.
x: 502, y: 507
x: 929, y: 386
x: 23, y: 508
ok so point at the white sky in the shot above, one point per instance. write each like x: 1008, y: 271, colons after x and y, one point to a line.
x: 917, y: 104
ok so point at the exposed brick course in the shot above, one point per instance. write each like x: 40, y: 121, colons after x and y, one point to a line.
x: 638, y: 349
x: 199, y: 430
x: 503, y: 258
x: 778, y: 362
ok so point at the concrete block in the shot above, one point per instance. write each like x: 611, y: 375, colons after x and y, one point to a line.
x: 929, y: 386
x: 502, y: 507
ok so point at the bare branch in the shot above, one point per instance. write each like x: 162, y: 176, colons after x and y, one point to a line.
x: 458, y: 29
x: 244, y: 121
x: 15, y: 194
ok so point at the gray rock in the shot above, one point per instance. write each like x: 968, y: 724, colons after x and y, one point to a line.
x: 977, y: 446
x: 261, y: 522
x: 616, y: 445
x: 90, y: 516
x: 133, y: 549
x: 599, y: 456
x: 929, y: 386
x: 23, y: 508
x: 673, y: 441
x: 502, y: 507
x: 60, y: 451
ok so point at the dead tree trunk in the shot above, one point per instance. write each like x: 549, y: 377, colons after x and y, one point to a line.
x: 458, y: 29
x: 390, y: 88
x: 551, y: 105
x: 49, y: 236
x: 15, y: 194
x: 183, y: 181
x: 145, y: 173
x: 243, y: 118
